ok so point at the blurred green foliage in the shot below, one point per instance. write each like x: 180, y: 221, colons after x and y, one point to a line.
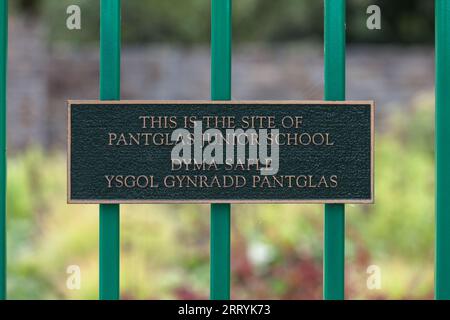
x: 276, y: 249
x: 187, y: 21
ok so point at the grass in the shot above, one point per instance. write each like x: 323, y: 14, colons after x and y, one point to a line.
x: 276, y: 249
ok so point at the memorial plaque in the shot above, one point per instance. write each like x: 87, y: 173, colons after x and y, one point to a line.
x: 220, y: 151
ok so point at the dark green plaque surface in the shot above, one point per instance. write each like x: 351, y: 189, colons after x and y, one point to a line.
x: 120, y: 152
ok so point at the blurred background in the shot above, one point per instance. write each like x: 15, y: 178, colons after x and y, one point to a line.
x: 277, y: 54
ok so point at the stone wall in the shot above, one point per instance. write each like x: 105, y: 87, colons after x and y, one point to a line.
x: 28, y: 75
x: 41, y: 78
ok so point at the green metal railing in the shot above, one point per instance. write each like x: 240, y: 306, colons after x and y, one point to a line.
x: 442, y: 263
x: 109, y: 233
x: 3, y: 72
x: 334, y: 217
x: 220, y: 90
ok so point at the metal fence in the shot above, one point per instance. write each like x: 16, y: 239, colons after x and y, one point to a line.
x: 221, y: 40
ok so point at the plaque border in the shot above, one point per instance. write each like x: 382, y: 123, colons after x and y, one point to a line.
x: 370, y: 103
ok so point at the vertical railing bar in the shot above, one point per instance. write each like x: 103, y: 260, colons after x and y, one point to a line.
x: 109, y: 228
x: 220, y: 90
x: 334, y: 217
x: 3, y: 155
x: 442, y: 260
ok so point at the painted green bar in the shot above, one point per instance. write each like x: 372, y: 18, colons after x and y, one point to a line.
x: 221, y: 49
x: 334, y: 251
x: 109, y: 286
x: 220, y: 252
x: 442, y: 263
x: 109, y: 250
x: 334, y: 229
x: 220, y: 90
x: 3, y: 79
